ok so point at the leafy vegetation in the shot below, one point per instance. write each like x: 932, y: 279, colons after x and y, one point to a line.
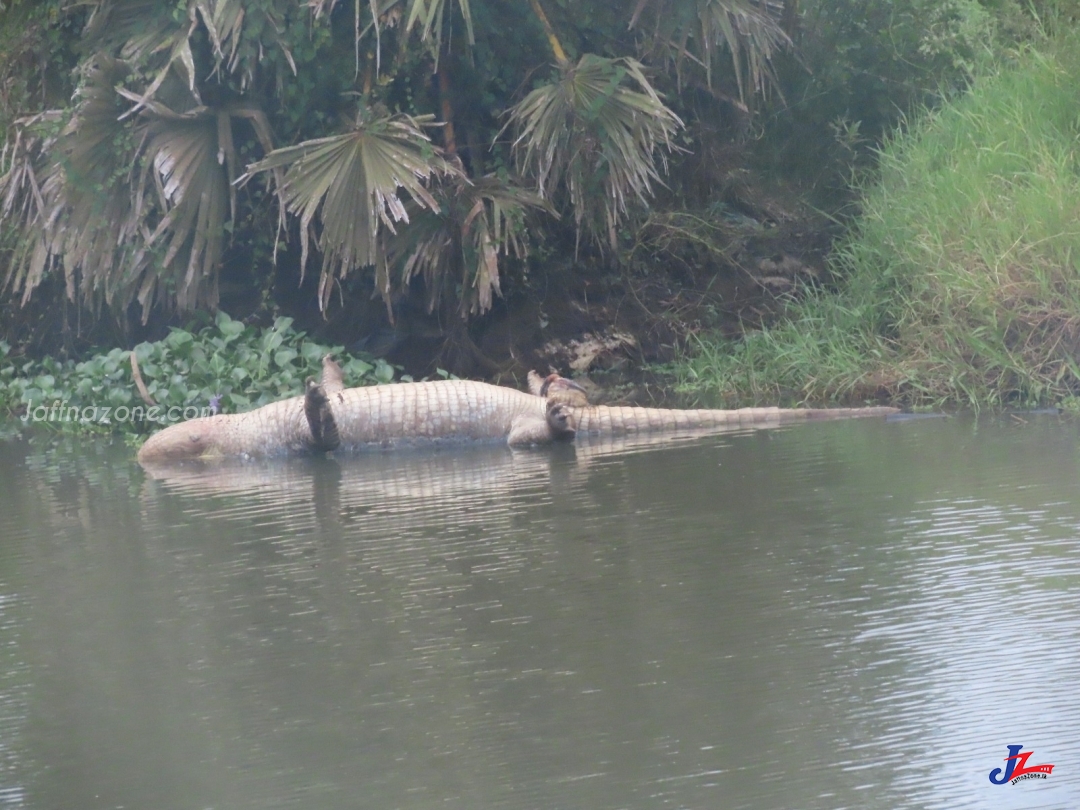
x: 160, y: 159
x: 960, y: 283
x: 223, y: 366
x: 130, y: 192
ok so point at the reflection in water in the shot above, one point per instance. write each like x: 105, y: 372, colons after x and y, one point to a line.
x: 837, y: 615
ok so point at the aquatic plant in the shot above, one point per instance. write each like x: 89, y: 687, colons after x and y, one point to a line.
x: 222, y: 366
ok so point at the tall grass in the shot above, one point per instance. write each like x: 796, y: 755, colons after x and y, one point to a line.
x: 962, y: 276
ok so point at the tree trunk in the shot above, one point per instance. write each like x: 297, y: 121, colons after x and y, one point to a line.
x: 789, y: 20
x: 556, y: 46
x: 446, y: 106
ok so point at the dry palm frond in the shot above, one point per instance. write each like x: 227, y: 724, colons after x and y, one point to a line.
x: 352, y: 182
x: 427, y: 15
x: 145, y: 34
x: 83, y: 218
x: 190, y: 160
x: 225, y: 19
x: 139, y: 32
x: 122, y: 233
x: 592, y: 133
x: 700, y: 30
x: 459, y: 242
x: 21, y: 161
x: 423, y: 15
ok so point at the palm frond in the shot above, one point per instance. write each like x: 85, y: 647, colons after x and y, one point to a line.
x: 25, y: 163
x: 84, y: 219
x: 139, y: 32
x: 193, y: 191
x: 591, y: 133
x: 427, y: 16
x: 135, y: 210
x: 701, y: 30
x: 190, y: 161
x: 225, y: 20
x: 145, y: 34
x: 457, y: 244
x: 352, y: 183
x: 21, y: 162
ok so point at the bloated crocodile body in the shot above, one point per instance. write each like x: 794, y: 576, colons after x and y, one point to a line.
x: 444, y: 410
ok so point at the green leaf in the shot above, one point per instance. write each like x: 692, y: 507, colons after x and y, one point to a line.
x: 384, y: 372
x: 178, y: 338
x: 357, y: 368
x: 284, y: 357
x: 271, y: 340
x: 231, y: 328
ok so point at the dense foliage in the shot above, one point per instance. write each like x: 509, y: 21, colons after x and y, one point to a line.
x: 218, y: 367
x: 306, y: 155
x: 195, y: 128
x: 149, y: 144
x: 961, y: 278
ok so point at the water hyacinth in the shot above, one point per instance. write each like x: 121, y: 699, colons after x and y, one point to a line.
x: 221, y: 367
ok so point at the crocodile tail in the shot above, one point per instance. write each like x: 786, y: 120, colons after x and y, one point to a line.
x: 618, y: 420
x: 812, y: 414
x: 615, y: 420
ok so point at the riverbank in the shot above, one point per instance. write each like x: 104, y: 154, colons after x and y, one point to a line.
x: 957, y: 287
x: 961, y: 281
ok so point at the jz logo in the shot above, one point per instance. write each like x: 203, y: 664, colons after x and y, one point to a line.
x: 1017, y: 769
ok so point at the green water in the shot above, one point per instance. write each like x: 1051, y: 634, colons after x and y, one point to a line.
x: 841, y: 615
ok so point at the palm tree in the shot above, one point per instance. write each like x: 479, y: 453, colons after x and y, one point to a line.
x: 697, y: 31
x: 457, y: 243
x: 351, y: 183
x: 134, y: 211
x: 592, y: 134
x: 136, y: 193
x: 132, y: 193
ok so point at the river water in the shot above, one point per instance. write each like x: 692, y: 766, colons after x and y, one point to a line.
x: 839, y: 615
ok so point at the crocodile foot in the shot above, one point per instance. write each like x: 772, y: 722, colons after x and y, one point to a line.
x: 556, y: 388
x: 324, y: 431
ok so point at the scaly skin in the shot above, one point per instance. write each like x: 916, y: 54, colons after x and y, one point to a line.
x: 388, y: 415
x: 373, y: 415
x: 602, y: 420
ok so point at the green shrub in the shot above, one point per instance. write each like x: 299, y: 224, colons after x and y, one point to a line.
x: 227, y: 366
x: 962, y: 277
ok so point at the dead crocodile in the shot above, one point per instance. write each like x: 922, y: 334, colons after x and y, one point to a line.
x: 329, y: 415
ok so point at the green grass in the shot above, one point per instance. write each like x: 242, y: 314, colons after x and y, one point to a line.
x: 962, y: 276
